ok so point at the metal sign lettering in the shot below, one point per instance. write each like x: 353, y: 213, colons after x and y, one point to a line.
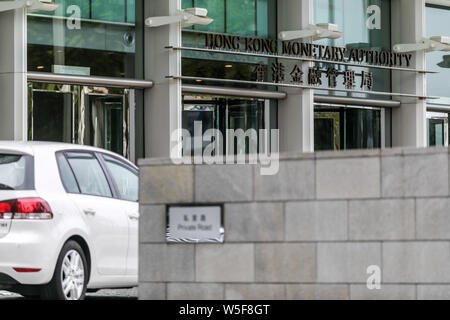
x: 316, y: 77
x: 307, y: 50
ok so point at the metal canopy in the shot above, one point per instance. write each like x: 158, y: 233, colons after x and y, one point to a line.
x: 273, y: 56
x: 93, y: 81
x: 299, y: 86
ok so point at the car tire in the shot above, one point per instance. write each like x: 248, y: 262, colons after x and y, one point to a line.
x: 70, y: 278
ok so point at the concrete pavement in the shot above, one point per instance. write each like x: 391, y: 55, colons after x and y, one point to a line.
x: 119, y: 294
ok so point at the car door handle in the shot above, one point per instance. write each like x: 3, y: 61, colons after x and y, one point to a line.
x: 134, y: 216
x: 89, y: 212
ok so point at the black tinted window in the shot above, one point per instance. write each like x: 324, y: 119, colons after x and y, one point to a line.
x: 16, y: 172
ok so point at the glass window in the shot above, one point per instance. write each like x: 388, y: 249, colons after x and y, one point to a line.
x: 262, y: 18
x: 241, y: 17
x: 131, y: 11
x: 126, y: 178
x: 109, y: 10
x: 67, y: 177
x: 438, y: 24
x: 216, y: 10
x: 84, y: 37
x: 89, y: 174
x: 16, y: 172
x: 357, y: 34
x: 253, y: 18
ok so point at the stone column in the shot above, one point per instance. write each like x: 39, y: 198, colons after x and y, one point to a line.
x: 409, y: 121
x: 163, y: 111
x: 13, y: 77
x: 296, y: 112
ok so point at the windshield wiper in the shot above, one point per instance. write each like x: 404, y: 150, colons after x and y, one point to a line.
x: 5, y: 187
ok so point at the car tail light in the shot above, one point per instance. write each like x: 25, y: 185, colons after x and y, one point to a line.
x: 25, y: 209
x: 6, y: 210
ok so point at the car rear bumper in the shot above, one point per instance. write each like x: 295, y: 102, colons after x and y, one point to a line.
x: 28, y: 245
x: 6, y: 280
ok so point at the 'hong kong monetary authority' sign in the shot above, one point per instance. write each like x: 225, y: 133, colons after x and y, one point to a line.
x: 203, y: 224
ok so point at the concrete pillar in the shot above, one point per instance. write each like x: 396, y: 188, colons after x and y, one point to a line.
x: 409, y: 121
x: 13, y: 77
x: 296, y: 112
x: 163, y: 111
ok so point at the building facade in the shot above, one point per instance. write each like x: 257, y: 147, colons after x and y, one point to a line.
x: 93, y: 73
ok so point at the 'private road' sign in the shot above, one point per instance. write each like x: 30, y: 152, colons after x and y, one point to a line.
x: 195, y: 224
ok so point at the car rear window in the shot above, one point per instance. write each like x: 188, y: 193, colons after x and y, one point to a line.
x: 16, y: 172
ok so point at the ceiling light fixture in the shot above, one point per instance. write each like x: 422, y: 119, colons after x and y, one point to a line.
x: 187, y: 17
x: 30, y: 5
x: 428, y: 45
x: 316, y: 31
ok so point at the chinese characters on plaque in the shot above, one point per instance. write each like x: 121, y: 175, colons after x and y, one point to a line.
x: 194, y: 218
x: 314, y: 76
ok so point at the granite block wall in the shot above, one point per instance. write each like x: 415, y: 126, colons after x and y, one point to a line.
x: 309, y: 232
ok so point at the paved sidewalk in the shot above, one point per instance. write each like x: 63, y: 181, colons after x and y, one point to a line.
x: 122, y: 294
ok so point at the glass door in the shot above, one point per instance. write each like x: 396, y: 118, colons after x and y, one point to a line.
x: 105, y: 118
x: 345, y: 128
x: 50, y: 113
x: 206, y: 113
x: 225, y: 114
x: 244, y: 115
x: 438, y: 133
x: 327, y: 134
x: 94, y: 116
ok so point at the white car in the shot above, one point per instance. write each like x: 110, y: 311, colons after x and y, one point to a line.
x: 68, y: 220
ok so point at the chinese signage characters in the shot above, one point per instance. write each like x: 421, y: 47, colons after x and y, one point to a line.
x: 314, y: 76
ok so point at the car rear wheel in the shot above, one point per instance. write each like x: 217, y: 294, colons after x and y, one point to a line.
x: 69, y: 281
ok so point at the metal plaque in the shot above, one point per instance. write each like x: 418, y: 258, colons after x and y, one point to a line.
x: 195, y: 224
